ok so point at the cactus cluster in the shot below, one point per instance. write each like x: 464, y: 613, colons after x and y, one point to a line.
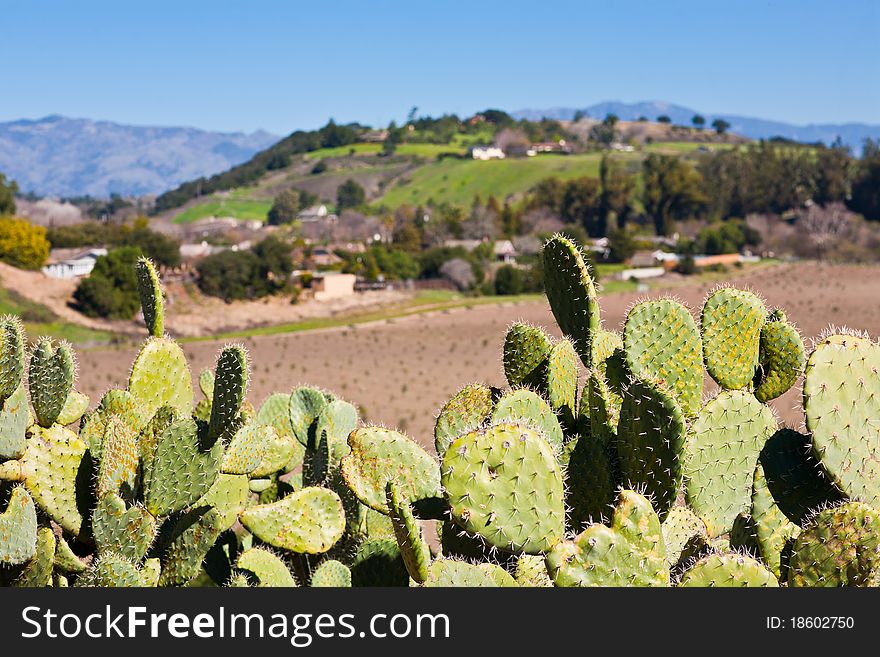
x: 603, y: 464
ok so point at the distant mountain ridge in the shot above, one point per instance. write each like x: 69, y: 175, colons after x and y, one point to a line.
x: 851, y: 134
x: 60, y: 156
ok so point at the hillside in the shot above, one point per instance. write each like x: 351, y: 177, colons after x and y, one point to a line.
x: 61, y: 156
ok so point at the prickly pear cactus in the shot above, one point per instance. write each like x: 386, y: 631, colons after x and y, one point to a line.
x: 50, y: 378
x: 781, y: 357
x: 413, y: 548
x: 839, y: 546
x: 662, y: 344
x: 528, y: 407
x: 531, y: 572
x: 309, y: 521
x: 525, y: 354
x: 504, y: 484
x: 628, y: 553
x: 11, y: 355
x: 267, y: 568
x: 378, y: 562
x: 571, y: 294
x: 650, y: 441
x: 331, y: 574
x: 466, y: 411
x: 18, y: 529
x: 448, y: 573
x: 842, y: 408
x: 682, y: 531
x: 731, y: 329
x: 562, y: 383
x: 728, y: 570
x: 721, y: 453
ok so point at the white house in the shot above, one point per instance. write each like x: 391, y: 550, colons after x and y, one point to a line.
x: 75, y: 267
x: 487, y: 153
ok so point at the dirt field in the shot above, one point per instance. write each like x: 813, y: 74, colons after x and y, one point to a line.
x: 401, y: 371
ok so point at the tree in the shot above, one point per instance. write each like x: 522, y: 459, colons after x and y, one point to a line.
x: 408, y: 238
x: 230, y: 275
x: 580, y: 205
x: 8, y: 190
x: 618, y: 187
x: 578, y: 115
x: 621, y: 245
x: 672, y: 190
x: 350, y: 195
x: 721, y: 126
x: 699, y: 121
x: 663, y: 119
x: 509, y: 280
x: 23, y: 244
x: 285, y: 208
x: 275, y: 262
x: 111, y: 289
x: 832, y: 174
x: 611, y: 119
x: 866, y: 187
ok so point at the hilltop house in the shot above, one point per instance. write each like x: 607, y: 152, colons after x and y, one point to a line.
x: 487, y: 153
x: 316, y: 213
x: 75, y: 266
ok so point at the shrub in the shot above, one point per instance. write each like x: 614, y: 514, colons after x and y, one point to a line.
x: 22, y: 244
x: 111, y: 289
x: 509, y: 280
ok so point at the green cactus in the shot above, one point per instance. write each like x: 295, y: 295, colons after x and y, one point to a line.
x: 308, y: 521
x: 37, y: 572
x: 531, y: 571
x: 18, y: 529
x: 126, y: 531
x: 628, y: 553
x: 721, y: 452
x: 111, y: 571
x: 528, y: 407
x: 842, y: 407
x: 525, y: 355
x: 839, y: 546
x: 66, y: 559
x: 504, y: 483
x: 11, y: 355
x: 120, y: 455
x: 728, y: 570
x: 413, y: 548
x: 562, y: 383
x: 228, y: 497
x: 446, y: 573
x: 780, y: 359
x: 378, y: 562
x: 466, y: 411
x: 650, y: 440
x: 230, y: 387
x: 571, y: 294
x: 74, y: 408
x: 160, y: 377
x: 305, y: 406
x: 191, y: 537
x: 50, y: 378
x: 268, y: 569
x: 380, y: 455
x: 682, y: 531
x: 14, y: 418
x: 247, y: 449
x: 731, y: 329
x: 152, y: 301
x: 331, y: 574
x: 662, y: 344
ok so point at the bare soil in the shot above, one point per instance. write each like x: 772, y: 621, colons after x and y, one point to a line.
x: 401, y: 371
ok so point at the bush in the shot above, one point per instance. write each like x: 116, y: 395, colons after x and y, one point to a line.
x: 285, y: 208
x: 350, y: 195
x: 509, y: 280
x: 160, y: 248
x: 235, y: 275
x: 22, y: 244
x: 110, y: 291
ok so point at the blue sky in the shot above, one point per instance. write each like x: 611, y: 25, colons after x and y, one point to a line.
x: 280, y: 66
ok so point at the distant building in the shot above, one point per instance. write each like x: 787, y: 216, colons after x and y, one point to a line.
x: 374, y: 136
x: 642, y: 259
x: 504, y: 251
x: 333, y: 286
x: 316, y: 213
x: 323, y: 257
x: 549, y: 147
x: 487, y: 153
x: 77, y: 266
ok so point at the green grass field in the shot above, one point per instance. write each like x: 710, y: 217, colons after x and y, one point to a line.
x: 457, y: 181
x: 417, y: 150
x: 238, y: 208
x: 39, y: 321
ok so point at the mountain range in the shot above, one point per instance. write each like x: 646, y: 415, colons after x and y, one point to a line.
x: 851, y: 134
x: 60, y: 156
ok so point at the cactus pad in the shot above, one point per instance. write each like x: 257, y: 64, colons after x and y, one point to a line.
x: 152, y: 301
x: 781, y: 358
x: 50, y: 377
x: 111, y: 571
x: 309, y: 521
x: 728, y: 570
x: 18, y: 529
x: 120, y: 456
x: 331, y: 574
x: 161, y: 377
x: 681, y: 530
x: 247, y: 449
x: 14, y: 417
x: 230, y: 386
x: 268, y: 569
x: 504, y: 484
x: 182, y: 469
x: 571, y: 294
x: 530, y: 408
x: 628, y: 553
x: 524, y: 355
x: 305, y: 406
x: 466, y: 411
x: 38, y: 571
x: 380, y: 455
x: 413, y: 548
x: 663, y: 345
x: 128, y: 532
x: 839, y: 546
x: 591, y: 479
x: 650, y: 438
x: 773, y: 530
x: 562, y: 382
x: 74, y: 408
x: 842, y: 408
x: 192, y: 536
x: 721, y: 453
x: 531, y: 571
x: 378, y: 563
x: 11, y: 355
x: 448, y: 573
x: 731, y: 328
